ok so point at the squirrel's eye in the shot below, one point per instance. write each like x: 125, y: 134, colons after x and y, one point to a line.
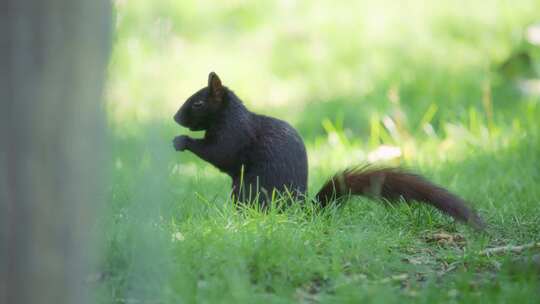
x: 198, y: 103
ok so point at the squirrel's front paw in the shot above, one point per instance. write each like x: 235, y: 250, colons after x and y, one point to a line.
x: 180, y: 142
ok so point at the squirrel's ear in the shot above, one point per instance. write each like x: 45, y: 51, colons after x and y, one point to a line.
x: 215, y: 86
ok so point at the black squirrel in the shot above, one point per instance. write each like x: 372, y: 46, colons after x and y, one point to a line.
x: 262, y: 154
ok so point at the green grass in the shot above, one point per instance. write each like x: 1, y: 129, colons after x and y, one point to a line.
x: 427, y: 81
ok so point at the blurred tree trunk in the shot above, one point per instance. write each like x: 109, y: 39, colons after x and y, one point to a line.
x: 53, y: 56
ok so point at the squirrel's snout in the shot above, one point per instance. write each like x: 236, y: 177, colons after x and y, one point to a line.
x: 177, y: 118
x: 181, y: 119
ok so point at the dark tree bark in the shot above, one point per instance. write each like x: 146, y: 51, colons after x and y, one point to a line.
x: 53, y: 56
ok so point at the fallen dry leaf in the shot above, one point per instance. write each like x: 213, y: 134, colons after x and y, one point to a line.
x: 444, y: 238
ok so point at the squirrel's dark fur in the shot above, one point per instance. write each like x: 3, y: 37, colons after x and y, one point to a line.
x: 262, y: 154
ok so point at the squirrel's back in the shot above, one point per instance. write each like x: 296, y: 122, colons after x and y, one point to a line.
x: 276, y: 157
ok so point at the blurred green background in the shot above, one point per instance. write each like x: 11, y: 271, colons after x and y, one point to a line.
x: 306, y: 61
x: 449, y: 88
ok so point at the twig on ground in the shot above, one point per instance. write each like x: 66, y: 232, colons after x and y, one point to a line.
x: 508, y: 248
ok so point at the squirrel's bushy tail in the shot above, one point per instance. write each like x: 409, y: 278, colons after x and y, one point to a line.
x: 392, y: 184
